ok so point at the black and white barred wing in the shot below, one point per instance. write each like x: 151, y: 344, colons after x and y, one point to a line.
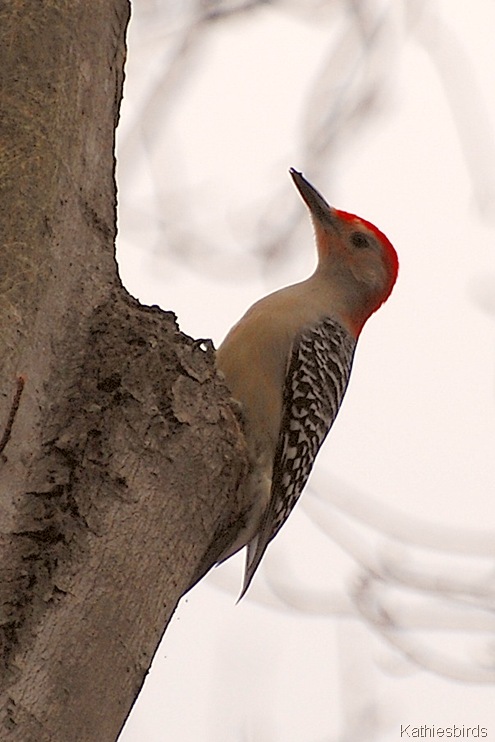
x: 317, y: 375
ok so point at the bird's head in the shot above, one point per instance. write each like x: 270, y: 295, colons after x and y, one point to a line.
x: 358, y: 260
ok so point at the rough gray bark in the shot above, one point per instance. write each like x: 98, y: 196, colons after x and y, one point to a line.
x: 124, y: 455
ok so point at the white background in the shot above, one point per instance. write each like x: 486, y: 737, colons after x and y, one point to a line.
x: 205, y: 141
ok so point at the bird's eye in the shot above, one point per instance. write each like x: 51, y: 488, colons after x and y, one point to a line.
x: 359, y: 239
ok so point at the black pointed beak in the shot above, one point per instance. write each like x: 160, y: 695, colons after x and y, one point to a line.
x: 318, y: 207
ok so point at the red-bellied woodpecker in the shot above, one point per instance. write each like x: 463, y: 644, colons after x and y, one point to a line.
x: 288, y: 360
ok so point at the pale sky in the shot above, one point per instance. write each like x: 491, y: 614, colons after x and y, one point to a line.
x: 414, y: 442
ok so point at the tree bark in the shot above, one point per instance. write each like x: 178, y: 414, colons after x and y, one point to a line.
x: 121, y: 460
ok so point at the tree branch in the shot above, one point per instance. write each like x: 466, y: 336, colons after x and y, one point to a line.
x: 126, y: 454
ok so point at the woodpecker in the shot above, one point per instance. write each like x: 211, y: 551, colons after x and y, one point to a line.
x: 288, y: 359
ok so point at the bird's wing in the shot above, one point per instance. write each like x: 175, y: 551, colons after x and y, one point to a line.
x: 317, y: 374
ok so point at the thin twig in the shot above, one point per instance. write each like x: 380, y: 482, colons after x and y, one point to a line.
x: 13, y: 411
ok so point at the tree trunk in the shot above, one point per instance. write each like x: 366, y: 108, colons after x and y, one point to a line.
x: 121, y: 453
